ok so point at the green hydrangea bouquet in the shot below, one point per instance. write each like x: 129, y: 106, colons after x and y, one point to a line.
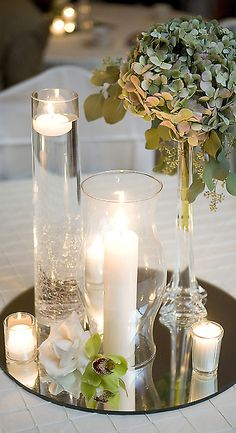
x: 180, y: 76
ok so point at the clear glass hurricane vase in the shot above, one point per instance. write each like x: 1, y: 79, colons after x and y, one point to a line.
x: 184, y: 298
x: 124, y: 268
x: 57, y: 224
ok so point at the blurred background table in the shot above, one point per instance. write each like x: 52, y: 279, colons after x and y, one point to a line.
x: 113, y: 34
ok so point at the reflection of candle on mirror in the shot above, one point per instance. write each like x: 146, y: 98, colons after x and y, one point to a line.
x: 202, y: 385
x: 120, y: 288
x: 57, y: 27
x: 26, y: 373
x: 52, y: 124
x: 94, y: 262
x: 207, y: 338
x: 21, y: 343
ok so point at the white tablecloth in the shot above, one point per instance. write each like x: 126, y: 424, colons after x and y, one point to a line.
x: 215, y: 257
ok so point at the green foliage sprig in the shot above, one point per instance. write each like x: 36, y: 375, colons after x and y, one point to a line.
x: 181, y: 76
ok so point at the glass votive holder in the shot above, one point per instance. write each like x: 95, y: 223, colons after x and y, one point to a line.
x: 206, y: 344
x: 20, y: 337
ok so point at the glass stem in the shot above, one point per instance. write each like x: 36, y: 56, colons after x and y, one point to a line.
x: 184, y: 275
x: 183, y: 300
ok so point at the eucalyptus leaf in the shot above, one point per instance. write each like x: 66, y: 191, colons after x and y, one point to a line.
x: 212, y: 144
x: 93, y: 106
x: 214, y: 170
x: 195, y: 189
x: 207, y: 176
x: 109, y: 75
x: 231, y: 183
x: 113, y: 110
x: 114, y: 90
x: 152, y: 139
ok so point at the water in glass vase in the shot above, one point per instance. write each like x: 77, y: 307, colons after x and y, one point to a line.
x: 57, y: 228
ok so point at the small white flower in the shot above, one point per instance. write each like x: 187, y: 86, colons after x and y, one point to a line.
x: 63, y: 351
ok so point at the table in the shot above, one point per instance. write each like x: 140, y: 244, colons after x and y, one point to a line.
x: 215, y: 257
x: 120, y: 25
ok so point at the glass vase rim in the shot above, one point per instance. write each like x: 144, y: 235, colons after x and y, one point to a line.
x: 22, y: 313
x: 73, y: 95
x: 117, y: 171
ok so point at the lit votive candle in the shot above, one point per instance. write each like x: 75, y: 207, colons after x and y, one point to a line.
x: 68, y: 12
x: 207, y: 337
x: 51, y: 124
x: 20, y: 337
x: 57, y: 27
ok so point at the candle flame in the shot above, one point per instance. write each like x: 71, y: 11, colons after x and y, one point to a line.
x: 68, y: 12
x: 120, y: 217
x: 50, y: 109
x: 121, y: 196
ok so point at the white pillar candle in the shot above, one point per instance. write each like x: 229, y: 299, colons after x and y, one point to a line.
x: 52, y: 124
x: 207, y: 338
x: 21, y: 343
x: 120, y: 292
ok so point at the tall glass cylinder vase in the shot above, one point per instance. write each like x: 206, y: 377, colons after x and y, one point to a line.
x: 124, y: 268
x: 57, y: 225
x: 184, y: 297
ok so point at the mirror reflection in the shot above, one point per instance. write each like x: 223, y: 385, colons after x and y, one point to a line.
x: 166, y: 381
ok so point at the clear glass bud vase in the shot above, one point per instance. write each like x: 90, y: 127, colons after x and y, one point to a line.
x: 184, y: 298
x: 124, y: 268
x: 57, y: 227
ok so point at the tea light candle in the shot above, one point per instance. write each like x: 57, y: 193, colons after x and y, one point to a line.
x: 207, y: 337
x: 52, y: 124
x: 69, y: 27
x: 68, y: 12
x: 20, y: 337
x: 120, y: 290
x: 57, y: 27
